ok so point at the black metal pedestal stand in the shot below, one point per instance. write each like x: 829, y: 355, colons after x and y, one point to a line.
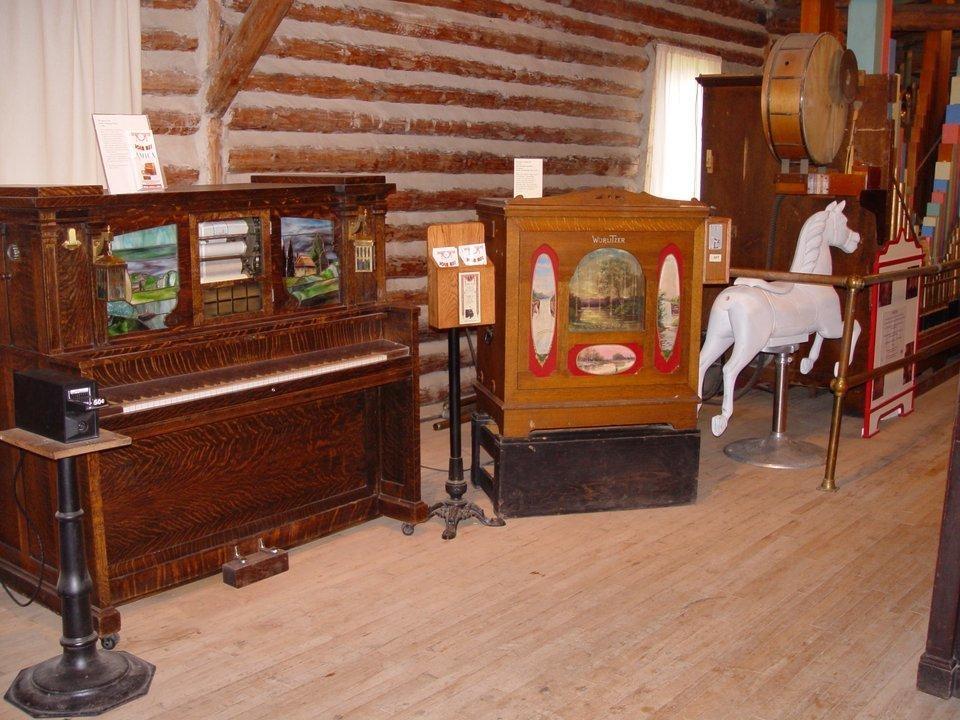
x: 457, y: 508
x: 82, y: 680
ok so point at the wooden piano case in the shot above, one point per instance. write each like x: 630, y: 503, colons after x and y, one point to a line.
x: 241, y: 336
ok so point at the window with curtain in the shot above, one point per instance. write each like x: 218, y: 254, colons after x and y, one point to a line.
x: 63, y: 61
x: 673, y: 147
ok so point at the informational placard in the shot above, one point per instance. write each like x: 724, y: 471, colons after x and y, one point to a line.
x: 894, y: 310
x: 129, y: 153
x: 469, y: 305
x: 716, y: 266
x: 528, y: 177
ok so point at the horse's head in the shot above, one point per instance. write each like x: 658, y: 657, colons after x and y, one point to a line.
x: 836, y: 232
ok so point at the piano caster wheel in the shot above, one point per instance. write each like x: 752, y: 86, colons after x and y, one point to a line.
x: 109, y: 642
x: 407, y: 529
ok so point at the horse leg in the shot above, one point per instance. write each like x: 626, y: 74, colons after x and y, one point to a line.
x: 853, y: 346
x: 719, y: 338
x: 741, y: 356
x: 806, y: 365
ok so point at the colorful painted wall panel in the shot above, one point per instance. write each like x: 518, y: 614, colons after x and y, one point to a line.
x: 152, y: 276
x: 311, y: 265
x: 543, y: 311
x: 605, y: 359
x: 668, y: 347
x: 606, y: 293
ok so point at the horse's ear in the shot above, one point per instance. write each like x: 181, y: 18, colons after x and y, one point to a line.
x: 831, y: 206
x: 842, y: 204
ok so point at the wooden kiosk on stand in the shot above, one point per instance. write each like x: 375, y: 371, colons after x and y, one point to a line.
x: 460, y: 280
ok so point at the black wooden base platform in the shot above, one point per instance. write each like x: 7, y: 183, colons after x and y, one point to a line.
x: 568, y: 471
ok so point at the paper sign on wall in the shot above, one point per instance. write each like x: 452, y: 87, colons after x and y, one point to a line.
x: 528, y: 177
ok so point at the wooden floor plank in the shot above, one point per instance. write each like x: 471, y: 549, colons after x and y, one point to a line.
x: 766, y: 599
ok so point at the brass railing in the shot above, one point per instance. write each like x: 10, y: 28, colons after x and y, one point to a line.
x: 853, y: 284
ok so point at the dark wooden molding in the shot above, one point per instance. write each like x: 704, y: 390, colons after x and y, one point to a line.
x: 233, y: 67
x: 906, y: 18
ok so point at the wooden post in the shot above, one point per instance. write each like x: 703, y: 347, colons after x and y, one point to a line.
x: 231, y: 66
x: 241, y: 54
x: 817, y: 16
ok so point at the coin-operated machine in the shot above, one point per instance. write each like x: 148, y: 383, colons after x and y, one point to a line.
x: 589, y: 373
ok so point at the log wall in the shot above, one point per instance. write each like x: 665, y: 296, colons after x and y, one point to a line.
x: 439, y: 95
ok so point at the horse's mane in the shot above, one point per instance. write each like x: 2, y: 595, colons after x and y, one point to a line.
x: 809, y: 244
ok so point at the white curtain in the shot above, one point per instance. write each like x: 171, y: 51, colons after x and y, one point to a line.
x: 673, y: 147
x: 63, y: 60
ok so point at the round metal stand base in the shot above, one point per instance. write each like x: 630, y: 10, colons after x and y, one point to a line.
x: 54, y: 688
x: 776, y: 451
x: 453, y: 511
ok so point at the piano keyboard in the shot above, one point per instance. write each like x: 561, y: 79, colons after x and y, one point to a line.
x: 176, y: 398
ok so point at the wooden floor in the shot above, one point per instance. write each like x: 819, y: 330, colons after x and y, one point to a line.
x: 765, y: 599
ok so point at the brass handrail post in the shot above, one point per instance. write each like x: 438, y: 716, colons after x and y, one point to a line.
x: 839, y: 384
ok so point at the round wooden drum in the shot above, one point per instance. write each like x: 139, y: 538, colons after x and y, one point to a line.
x: 808, y: 83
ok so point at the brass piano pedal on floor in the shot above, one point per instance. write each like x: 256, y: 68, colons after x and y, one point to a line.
x: 243, y: 570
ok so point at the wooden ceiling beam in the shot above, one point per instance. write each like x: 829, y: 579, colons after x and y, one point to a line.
x: 259, y: 23
x: 914, y: 18
x: 906, y: 18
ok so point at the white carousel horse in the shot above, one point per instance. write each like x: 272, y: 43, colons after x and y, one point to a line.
x: 756, y: 314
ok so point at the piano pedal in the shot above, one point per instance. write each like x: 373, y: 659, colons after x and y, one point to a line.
x: 243, y: 570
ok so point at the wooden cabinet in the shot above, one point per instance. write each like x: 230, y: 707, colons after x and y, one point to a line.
x: 597, y: 311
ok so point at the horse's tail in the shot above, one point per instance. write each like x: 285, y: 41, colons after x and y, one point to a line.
x: 720, y: 312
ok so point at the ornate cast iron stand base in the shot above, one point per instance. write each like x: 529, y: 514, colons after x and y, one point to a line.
x: 456, y: 507
x: 777, y: 450
x: 83, y: 680
x: 67, y: 686
x: 453, y: 511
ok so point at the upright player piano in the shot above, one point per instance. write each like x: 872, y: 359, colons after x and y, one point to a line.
x: 241, y: 336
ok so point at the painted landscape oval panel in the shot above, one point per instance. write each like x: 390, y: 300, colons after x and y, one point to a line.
x: 604, y: 359
x: 606, y: 293
x: 543, y: 311
x: 668, y: 311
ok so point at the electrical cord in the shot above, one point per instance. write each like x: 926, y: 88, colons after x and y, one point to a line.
x: 33, y: 528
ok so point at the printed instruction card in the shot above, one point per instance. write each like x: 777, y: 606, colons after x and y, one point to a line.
x: 129, y: 153
x: 528, y: 177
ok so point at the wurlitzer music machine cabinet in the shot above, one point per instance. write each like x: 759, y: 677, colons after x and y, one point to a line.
x: 590, y: 371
